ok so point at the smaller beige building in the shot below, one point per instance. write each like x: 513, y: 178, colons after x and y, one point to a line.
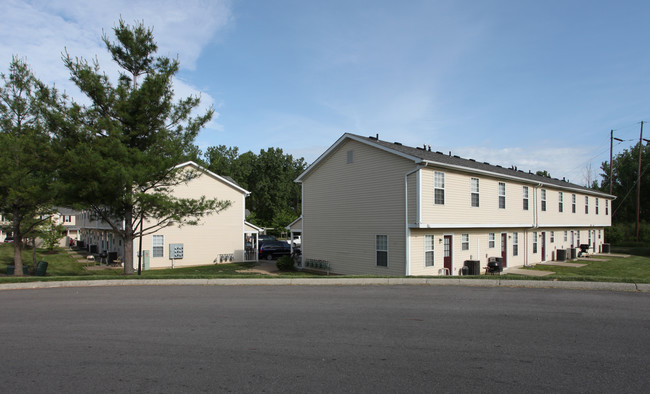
x: 218, y: 238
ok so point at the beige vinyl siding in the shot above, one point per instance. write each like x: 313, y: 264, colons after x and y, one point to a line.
x: 217, y: 234
x: 457, y: 210
x: 345, y: 205
x: 553, y: 217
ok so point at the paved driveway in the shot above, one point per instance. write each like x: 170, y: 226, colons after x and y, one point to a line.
x: 324, y: 339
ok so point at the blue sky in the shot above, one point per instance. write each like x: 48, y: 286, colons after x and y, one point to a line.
x: 537, y: 84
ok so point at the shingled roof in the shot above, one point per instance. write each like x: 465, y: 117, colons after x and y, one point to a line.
x: 470, y: 165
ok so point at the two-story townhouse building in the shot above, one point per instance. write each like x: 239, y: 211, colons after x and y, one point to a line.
x: 218, y: 238
x: 382, y: 208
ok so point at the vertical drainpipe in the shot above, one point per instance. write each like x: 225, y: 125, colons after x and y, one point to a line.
x: 407, y: 230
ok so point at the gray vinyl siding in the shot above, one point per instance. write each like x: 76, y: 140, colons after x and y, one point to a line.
x: 345, y: 205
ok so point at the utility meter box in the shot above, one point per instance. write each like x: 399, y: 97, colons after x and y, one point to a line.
x: 175, y: 251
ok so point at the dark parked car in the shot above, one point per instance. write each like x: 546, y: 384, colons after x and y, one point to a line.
x: 263, y: 238
x: 9, y: 239
x: 274, y: 249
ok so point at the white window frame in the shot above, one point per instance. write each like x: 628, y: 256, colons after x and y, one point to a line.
x: 543, y: 200
x: 157, y: 245
x: 438, y: 186
x: 534, y: 242
x: 566, y: 235
x: 350, y: 156
x: 596, y: 205
x: 586, y: 205
x: 552, y: 237
x: 464, y: 242
x: 606, y: 207
x: 378, y: 250
x: 502, y: 195
x: 560, y: 202
x: 573, y: 203
x: 474, y: 192
x: 491, y: 240
x: 524, y: 193
x: 429, y: 250
x: 515, y: 243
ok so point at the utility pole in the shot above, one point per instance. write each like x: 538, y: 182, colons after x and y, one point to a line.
x: 638, y: 186
x: 611, y: 146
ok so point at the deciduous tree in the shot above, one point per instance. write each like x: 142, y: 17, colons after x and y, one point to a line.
x: 27, y: 162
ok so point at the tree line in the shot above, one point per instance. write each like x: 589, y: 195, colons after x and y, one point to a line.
x: 625, y: 171
x: 116, y: 156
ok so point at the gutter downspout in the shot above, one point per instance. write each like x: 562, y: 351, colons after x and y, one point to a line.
x: 407, y: 231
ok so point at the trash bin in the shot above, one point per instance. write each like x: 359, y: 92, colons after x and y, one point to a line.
x: 11, y: 269
x: 574, y: 253
x: 465, y: 270
x: 473, y: 267
x: 112, y: 256
x: 605, y: 248
x: 94, y: 249
x: 561, y: 255
x: 81, y: 244
x: 41, y: 268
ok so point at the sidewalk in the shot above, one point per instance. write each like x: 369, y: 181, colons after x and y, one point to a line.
x: 334, y: 281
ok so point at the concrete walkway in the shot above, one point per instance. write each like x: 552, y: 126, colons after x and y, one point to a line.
x: 520, y: 271
x: 562, y: 264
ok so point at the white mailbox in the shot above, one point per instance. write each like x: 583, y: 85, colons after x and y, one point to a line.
x: 175, y: 251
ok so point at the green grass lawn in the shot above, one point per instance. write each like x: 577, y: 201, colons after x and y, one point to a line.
x: 64, y: 266
x: 615, y: 269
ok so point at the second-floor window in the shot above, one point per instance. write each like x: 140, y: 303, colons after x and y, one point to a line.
x: 606, y: 207
x: 596, y: 206
x: 586, y: 204
x: 560, y: 200
x: 573, y: 203
x: 439, y: 188
x: 474, y: 191
x: 524, y: 192
x: 543, y: 200
x: 502, y: 195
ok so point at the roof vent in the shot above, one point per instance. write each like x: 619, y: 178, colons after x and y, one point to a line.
x: 472, y: 160
x: 458, y: 157
x: 440, y: 153
x: 420, y: 148
x: 397, y: 143
x: 429, y: 146
x: 485, y: 162
x: 375, y: 137
x: 499, y: 166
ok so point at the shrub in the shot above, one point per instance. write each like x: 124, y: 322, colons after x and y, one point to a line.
x: 285, y: 263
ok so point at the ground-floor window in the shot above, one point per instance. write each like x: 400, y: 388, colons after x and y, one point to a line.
x: 566, y: 235
x: 599, y: 234
x: 534, y: 241
x: 381, y: 246
x: 491, y: 240
x: 429, y: 243
x: 552, y: 236
x: 464, y: 244
x: 515, y: 244
x: 158, y: 243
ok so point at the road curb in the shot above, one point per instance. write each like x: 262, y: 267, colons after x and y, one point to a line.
x: 537, y: 284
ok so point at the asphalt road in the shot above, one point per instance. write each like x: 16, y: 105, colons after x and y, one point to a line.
x: 371, y: 339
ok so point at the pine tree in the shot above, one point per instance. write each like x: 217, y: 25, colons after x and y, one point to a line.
x: 122, y: 149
